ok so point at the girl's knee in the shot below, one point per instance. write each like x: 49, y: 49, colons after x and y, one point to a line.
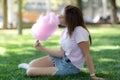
x: 30, y: 72
x: 31, y: 64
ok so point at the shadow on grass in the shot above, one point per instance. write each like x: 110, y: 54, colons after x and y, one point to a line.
x: 107, y: 62
x: 107, y: 68
x: 20, y: 49
x: 106, y: 40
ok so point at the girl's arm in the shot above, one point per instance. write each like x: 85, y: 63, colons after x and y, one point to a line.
x: 56, y: 53
x: 86, y: 52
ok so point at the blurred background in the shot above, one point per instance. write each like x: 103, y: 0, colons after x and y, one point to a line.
x: 17, y: 13
x: 17, y: 44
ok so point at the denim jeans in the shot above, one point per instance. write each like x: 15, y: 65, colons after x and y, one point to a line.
x: 64, y: 66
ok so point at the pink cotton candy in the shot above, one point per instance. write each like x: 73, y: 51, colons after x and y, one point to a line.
x: 45, y: 26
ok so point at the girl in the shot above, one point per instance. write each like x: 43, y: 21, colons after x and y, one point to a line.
x: 74, y: 49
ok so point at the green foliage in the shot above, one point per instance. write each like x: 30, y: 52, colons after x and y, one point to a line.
x: 16, y: 49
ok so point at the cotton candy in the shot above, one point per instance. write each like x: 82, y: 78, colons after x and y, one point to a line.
x: 45, y: 26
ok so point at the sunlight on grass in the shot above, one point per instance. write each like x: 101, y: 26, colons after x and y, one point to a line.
x: 106, y: 60
x: 95, y: 31
x: 15, y: 49
x: 2, y: 51
x: 99, y: 48
x: 104, y: 30
x: 3, y: 65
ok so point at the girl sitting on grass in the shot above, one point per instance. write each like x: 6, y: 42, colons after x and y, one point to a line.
x: 74, y: 49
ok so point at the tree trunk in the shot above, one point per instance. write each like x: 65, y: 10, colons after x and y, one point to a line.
x: 19, y: 17
x: 114, y: 11
x: 5, y: 14
x: 10, y: 13
x: 79, y: 3
x: 104, y: 8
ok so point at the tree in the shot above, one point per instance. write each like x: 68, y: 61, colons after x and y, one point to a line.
x: 5, y: 21
x: 114, y: 11
x: 79, y: 3
x: 20, y: 17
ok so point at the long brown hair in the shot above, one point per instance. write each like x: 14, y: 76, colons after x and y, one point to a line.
x: 74, y: 18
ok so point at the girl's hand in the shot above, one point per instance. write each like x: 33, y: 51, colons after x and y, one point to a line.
x: 97, y: 78
x: 38, y: 45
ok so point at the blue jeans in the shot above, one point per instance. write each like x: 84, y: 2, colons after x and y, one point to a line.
x: 64, y: 66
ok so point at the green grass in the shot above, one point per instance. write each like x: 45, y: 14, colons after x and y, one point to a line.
x: 15, y: 49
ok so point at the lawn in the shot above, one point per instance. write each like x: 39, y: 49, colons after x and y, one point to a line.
x: 15, y: 49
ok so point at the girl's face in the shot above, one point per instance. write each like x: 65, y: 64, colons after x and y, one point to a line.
x: 62, y: 18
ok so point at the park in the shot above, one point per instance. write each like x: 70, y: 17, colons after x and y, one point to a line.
x: 17, y: 46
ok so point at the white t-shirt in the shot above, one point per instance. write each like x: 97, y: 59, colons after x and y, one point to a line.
x: 70, y: 45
